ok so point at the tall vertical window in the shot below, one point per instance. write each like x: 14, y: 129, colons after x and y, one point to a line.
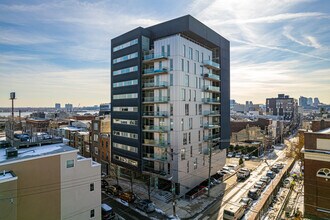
x: 200, y: 109
x: 188, y: 66
x: 195, y: 69
x: 199, y: 135
x: 189, y: 138
x: 189, y: 94
x: 190, y: 123
x: 184, y: 50
x: 91, y: 187
x: 196, y: 107
x: 163, y: 50
x: 182, y: 65
x: 171, y: 64
x: 186, y: 108
x: 160, y: 65
x: 195, y: 97
x: 191, y: 151
x: 183, y: 153
x: 197, y: 56
x: 183, y: 94
x: 171, y: 124
x: 188, y: 166
x: 184, y: 138
x: 171, y: 79
x: 195, y: 164
x: 202, y: 57
x: 186, y: 80
x: 168, y: 50
x: 171, y: 109
x: 182, y: 124
x: 190, y: 53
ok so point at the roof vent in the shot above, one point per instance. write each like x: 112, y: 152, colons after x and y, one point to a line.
x: 11, y: 152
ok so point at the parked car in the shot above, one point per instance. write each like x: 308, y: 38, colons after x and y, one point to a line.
x: 243, y: 174
x: 104, y: 184
x: 107, y: 212
x: 145, y: 205
x: 238, y: 155
x: 231, y: 154
x: 215, y: 181
x: 265, y: 179
x: 279, y: 165
x: 260, y: 185
x: 232, y: 166
x: 247, y: 157
x: 127, y: 197
x: 275, y: 169
x: 114, y: 190
x: 254, y: 193
x: 271, y: 174
x: 246, y: 202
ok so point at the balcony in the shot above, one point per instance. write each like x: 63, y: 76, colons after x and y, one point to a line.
x: 211, y: 65
x: 215, y: 101
x: 211, y: 113
x: 153, y: 171
x: 211, y: 126
x: 153, y: 114
x: 152, y: 128
x: 212, y: 77
x: 209, y: 88
x: 154, y: 57
x: 155, y: 85
x: 152, y: 72
x: 156, y: 143
x: 158, y: 157
x: 211, y: 137
x: 157, y: 99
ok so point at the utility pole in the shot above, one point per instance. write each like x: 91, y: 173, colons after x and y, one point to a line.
x: 210, y: 160
x: 173, y: 197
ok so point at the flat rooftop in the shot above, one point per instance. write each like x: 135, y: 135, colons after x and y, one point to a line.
x: 324, y: 131
x: 27, y: 153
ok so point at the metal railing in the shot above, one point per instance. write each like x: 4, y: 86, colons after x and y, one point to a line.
x: 212, y: 64
x: 211, y: 76
x: 156, y: 114
x: 156, y: 99
x: 155, y: 84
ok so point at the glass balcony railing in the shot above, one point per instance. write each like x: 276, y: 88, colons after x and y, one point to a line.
x: 211, y: 88
x: 153, y: 128
x: 155, y: 84
x: 156, y: 99
x: 211, y: 100
x: 211, y: 126
x: 211, y: 76
x: 211, y: 64
x: 153, y: 71
x: 211, y: 113
x: 211, y: 137
x: 156, y: 114
x: 152, y: 56
x: 156, y: 143
x: 161, y: 157
x: 158, y: 172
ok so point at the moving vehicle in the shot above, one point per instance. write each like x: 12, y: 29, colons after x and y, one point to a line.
x: 271, y: 174
x: 114, y: 190
x: 243, y: 174
x: 265, y: 179
x: 107, y: 212
x: 254, y: 193
x: 127, y: 197
x: 233, y: 212
x: 260, y: 185
x: 231, y: 154
x: 145, y: 205
x: 246, y: 202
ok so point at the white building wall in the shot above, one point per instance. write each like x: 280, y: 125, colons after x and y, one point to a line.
x: 77, y: 200
x: 179, y: 167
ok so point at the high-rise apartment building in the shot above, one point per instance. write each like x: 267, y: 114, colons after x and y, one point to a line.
x: 303, y: 101
x: 283, y: 106
x: 170, y: 87
x: 57, y: 106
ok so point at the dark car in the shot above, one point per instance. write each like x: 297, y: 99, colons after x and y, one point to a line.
x: 107, y: 212
x: 114, y: 190
x: 271, y: 174
x: 279, y: 165
x: 145, y: 205
x: 254, y: 193
x: 104, y: 184
x: 265, y: 179
x: 246, y: 202
x: 127, y: 197
x: 275, y: 169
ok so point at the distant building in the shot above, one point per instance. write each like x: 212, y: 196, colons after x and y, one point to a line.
x: 282, y: 106
x: 317, y: 171
x: 303, y: 101
x: 316, y: 102
x: 68, y: 107
x: 310, y: 101
x: 49, y: 182
x: 105, y: 109
x: 57, y: 106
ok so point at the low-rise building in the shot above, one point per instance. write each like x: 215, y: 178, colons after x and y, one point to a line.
x: 49, y: 182
x: 317, y: 172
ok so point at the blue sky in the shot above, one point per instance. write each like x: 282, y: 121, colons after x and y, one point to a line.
x: 58, y: 51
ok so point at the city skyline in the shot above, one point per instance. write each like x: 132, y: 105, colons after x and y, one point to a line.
x: 59, y: 51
